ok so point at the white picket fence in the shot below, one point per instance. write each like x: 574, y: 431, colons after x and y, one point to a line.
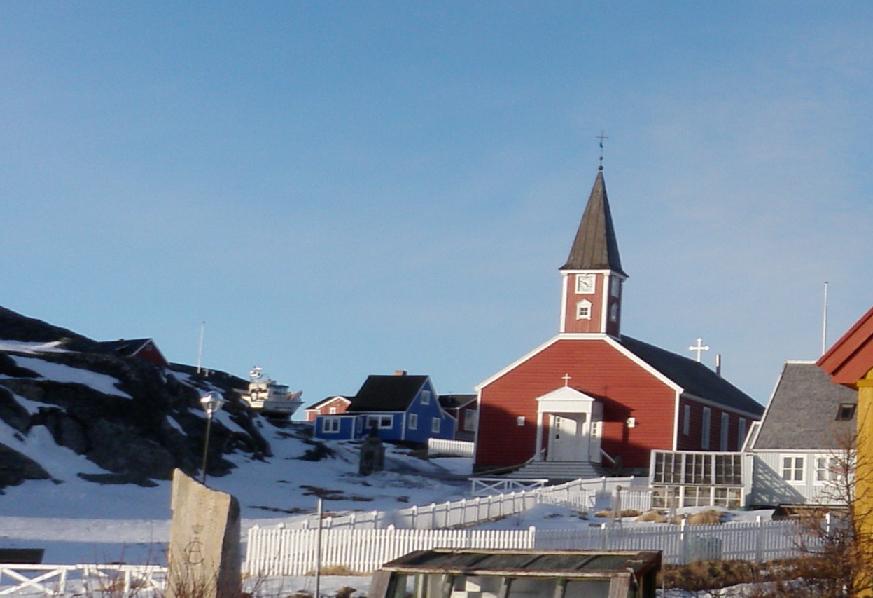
x: 585, y: 495
x: 280, y: 551
x: 754, y: 541
x: 437, y: 447
x: 83, y: 580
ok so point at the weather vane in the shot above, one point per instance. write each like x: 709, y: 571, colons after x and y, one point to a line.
x: 600, y: 139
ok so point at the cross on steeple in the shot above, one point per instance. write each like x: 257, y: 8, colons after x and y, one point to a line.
x: 600, y: 139
x: 566, y: 379
x: 699, y: 348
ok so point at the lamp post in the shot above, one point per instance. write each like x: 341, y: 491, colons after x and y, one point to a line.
x: 212, y: 402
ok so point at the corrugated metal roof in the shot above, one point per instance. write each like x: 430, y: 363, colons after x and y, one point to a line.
x: 568, y: 563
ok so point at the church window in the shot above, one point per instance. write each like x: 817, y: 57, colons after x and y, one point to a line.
x: 725, y: 428
x: 583, y: 310
x: 615, y: 286
x: 686, y: 420
x: 704, y: 428
x: 741, y: 433
x: 613, y: 312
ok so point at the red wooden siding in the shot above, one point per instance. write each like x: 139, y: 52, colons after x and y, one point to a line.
x: 150, y: 353
x: 597, y: 369
x: 340, y: 406
x: 691, y: 441
x: 571, y: 324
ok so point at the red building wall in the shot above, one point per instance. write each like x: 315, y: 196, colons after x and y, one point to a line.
x: 597, y: 369
x: 151, y: 354
x: 339, y: 405
x: 691, y: 441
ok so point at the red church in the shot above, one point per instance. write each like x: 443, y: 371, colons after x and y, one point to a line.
x: 592, y: 397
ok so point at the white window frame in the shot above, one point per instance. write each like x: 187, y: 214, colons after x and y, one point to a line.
x: 686, y: 420
x: 793, y: 468
x: 705, y: 428
x: 435, y: 425
x: 581, y: 280
x: 380, y: 421
x: 824, y: 469
x: 724, y: 431
x: 583, y: 310
x: 332, y: 410
x: 330, y: 425
x: 413, y: 421
x: 425, y: 397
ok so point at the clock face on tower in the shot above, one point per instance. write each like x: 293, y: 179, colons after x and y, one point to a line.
x: 584, y: 284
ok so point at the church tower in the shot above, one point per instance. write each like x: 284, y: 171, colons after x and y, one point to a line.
x: 592, y: 277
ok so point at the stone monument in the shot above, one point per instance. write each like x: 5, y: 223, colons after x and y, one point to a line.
x: 372, y: 454
x: 204, y: 556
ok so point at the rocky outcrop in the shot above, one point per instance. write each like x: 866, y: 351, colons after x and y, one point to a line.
x: 137, y: 439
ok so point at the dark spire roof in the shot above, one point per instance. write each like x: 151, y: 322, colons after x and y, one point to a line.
x: 595, y: 247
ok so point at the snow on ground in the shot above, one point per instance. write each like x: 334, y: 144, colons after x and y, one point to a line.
x: 32, y: 347
x: 67, y: 374
x: 77, y: 520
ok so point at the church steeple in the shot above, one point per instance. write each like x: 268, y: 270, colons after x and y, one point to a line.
x: 592, y: 275
x: 595, y: 246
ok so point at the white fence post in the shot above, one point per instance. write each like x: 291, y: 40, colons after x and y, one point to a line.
x: 683, y: 542
x: 759, y: 539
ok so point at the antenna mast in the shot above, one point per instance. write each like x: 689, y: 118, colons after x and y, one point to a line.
x: 200, y: 347
x: 824, y: 321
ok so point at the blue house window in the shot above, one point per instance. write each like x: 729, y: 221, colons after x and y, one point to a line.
x: 381, y: 421
x: 425, y: 397
x: 330, y: 424
x: 435, y: 425
x: 413, y: 421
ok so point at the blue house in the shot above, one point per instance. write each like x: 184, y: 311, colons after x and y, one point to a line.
x: 399, y: 407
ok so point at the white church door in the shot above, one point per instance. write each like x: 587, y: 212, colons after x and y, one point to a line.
x: 568, y: 439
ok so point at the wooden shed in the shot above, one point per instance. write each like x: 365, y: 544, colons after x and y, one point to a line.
x: 445, y: 573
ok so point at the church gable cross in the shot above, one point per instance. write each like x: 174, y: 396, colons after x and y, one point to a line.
x: 699, y: 348
x: 566, y: 378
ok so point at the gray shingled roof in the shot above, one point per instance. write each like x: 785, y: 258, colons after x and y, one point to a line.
x: 802, y: 413
x: 595, y: 246
x: 694, y: 378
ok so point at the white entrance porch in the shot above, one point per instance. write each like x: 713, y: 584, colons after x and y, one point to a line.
x: 575, y: 425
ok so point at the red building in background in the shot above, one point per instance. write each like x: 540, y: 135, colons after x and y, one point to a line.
x: 592, y: 395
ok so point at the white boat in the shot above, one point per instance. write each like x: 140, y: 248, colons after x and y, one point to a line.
x: 269, y: 397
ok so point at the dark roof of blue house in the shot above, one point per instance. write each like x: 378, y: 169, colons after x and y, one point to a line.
x: 694, y: 378
x: 387, y: 393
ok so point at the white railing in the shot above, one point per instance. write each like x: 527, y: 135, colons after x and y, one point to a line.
x: 487, y: 486
x: 437, y: 447
x: 754, y: 541
x: 275, y: 551
x: 584, y: 495
x: 279, y: 551
x: 52, y: 580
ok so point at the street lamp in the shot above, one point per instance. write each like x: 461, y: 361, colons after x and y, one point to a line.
x: 212, y: 402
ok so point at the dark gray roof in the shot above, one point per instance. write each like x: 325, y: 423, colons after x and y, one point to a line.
x: 694, y: 378
x: 387, y: 393
x: 455, y: 401
x: 318, y: 404
x: 595, y: 246
x: 802, y: 413
x: 570, y: 563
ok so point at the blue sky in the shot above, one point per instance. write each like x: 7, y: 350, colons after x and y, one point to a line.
x: 340, y: 189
